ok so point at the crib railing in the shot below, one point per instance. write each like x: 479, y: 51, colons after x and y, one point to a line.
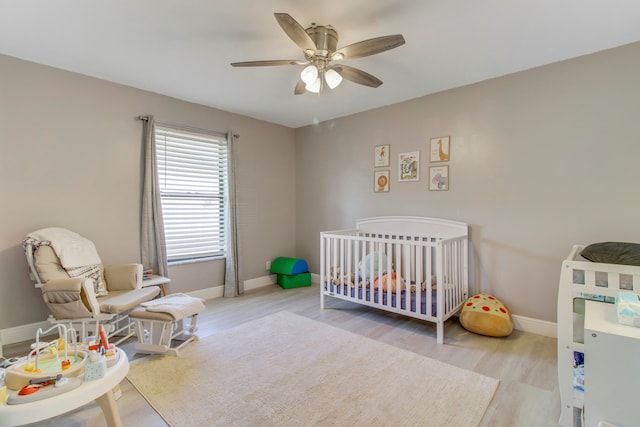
x: 360, y: 266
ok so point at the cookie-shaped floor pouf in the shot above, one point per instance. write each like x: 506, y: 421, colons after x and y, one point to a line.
x: 484, y: 314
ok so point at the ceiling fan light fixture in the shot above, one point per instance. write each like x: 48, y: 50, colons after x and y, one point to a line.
x: 314, y: 86
x: 332, y: 78
x: 309, y: 74
x: 318, y: 44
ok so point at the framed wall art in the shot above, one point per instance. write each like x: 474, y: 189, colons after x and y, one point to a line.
x: 409, y: 166
x: 438, y: 178
x: 381, y: 156
x: 381, y: 181
x: 439, y: 149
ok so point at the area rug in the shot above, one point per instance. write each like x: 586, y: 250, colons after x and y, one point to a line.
x: 288, y: 370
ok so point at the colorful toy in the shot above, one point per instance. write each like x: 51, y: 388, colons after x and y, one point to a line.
x: 291, y: 272
x: 337, y: 277
x: 104, y: 342
x: 385, y: 280
x: 47, y: 359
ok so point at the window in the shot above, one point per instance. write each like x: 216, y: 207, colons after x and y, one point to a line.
x: 192, y: 172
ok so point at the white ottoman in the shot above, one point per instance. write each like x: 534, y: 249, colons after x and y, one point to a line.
x: 159, y: 322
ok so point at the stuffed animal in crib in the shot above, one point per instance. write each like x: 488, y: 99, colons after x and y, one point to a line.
x: 336, y: 277
x: 368, y: 267
x: 396, y: 283
x: 423, y: 285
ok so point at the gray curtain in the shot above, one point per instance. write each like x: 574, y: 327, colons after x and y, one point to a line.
x: 153, y: 250
x: 232, y: 281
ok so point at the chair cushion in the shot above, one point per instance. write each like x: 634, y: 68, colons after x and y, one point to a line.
x: 119, y: 301
x: 49, y: 268
x: 613, y: 253
x: 48, y: 264
x: 123, y: 277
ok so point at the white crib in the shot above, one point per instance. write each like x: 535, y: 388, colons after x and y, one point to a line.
x: 428, y: 256
x: 581, y: 279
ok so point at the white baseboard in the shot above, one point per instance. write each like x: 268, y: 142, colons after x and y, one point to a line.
x: 218, y: 291
x: 535, y: 326
x: 260, y: 282
x: 208, y: 293
x: 28, y: 332
x: 22, y: 332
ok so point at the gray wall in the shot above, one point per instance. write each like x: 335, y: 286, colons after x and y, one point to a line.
x: 70, y: 156
x: 540, y: 160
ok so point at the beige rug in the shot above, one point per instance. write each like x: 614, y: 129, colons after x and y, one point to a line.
x: 287, y: 370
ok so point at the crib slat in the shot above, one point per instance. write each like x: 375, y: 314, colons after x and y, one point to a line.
x: 418, y: 267
x: 388, y: 268
x: 440, y: 274
x: 348, y: 273
x: 356, y: 263
x: 323, y: 272
x: 430, y: 274
x: 381, y: 291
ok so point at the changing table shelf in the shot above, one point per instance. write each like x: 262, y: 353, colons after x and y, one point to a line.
x: 612, y: 373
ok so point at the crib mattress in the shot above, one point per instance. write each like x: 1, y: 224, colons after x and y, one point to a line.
x: 374, y: 295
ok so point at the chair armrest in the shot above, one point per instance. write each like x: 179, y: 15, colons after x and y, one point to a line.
x: 123, y: 277
x: 71, y: 298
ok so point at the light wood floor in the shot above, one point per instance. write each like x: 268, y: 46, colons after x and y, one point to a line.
x: 524, y: 363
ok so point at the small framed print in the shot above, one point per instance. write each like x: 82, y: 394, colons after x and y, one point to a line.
x: 381, y: 181
x: 439, y: 149
x: 409, y: 166
x: 438, y: 178
x: 381, y: 156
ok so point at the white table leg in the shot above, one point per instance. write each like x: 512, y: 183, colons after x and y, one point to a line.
x: 109, y: 407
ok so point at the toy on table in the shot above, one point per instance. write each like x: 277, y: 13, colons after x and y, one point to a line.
x: 59, y: 356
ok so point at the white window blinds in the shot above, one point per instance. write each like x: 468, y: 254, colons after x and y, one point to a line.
x: 192, y: 172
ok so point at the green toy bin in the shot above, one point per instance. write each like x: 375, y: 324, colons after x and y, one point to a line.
x: 288, y: 281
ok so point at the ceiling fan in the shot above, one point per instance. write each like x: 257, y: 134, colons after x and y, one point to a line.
x: 318, y: 43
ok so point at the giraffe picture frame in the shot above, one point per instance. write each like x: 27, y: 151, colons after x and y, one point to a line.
x: 439, y: 149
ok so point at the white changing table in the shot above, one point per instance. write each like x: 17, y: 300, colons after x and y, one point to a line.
x: 611, y: 368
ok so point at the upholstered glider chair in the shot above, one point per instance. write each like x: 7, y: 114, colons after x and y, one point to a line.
x: 79, y: 290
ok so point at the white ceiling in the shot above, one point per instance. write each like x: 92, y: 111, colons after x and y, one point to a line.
x: 183, y: 48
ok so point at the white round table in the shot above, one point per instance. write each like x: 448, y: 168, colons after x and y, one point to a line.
x: 99, y: 390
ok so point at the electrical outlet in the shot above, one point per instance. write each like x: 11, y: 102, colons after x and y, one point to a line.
x: 268, y: 265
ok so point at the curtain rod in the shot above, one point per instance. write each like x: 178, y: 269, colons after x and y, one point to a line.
x: 187, y: 128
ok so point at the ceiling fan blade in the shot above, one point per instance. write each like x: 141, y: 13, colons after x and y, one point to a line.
x: 300, y: 88
x: 369, y: 47
x: 357, y: 76
x: 295, y: 31
x: 268, y: 63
